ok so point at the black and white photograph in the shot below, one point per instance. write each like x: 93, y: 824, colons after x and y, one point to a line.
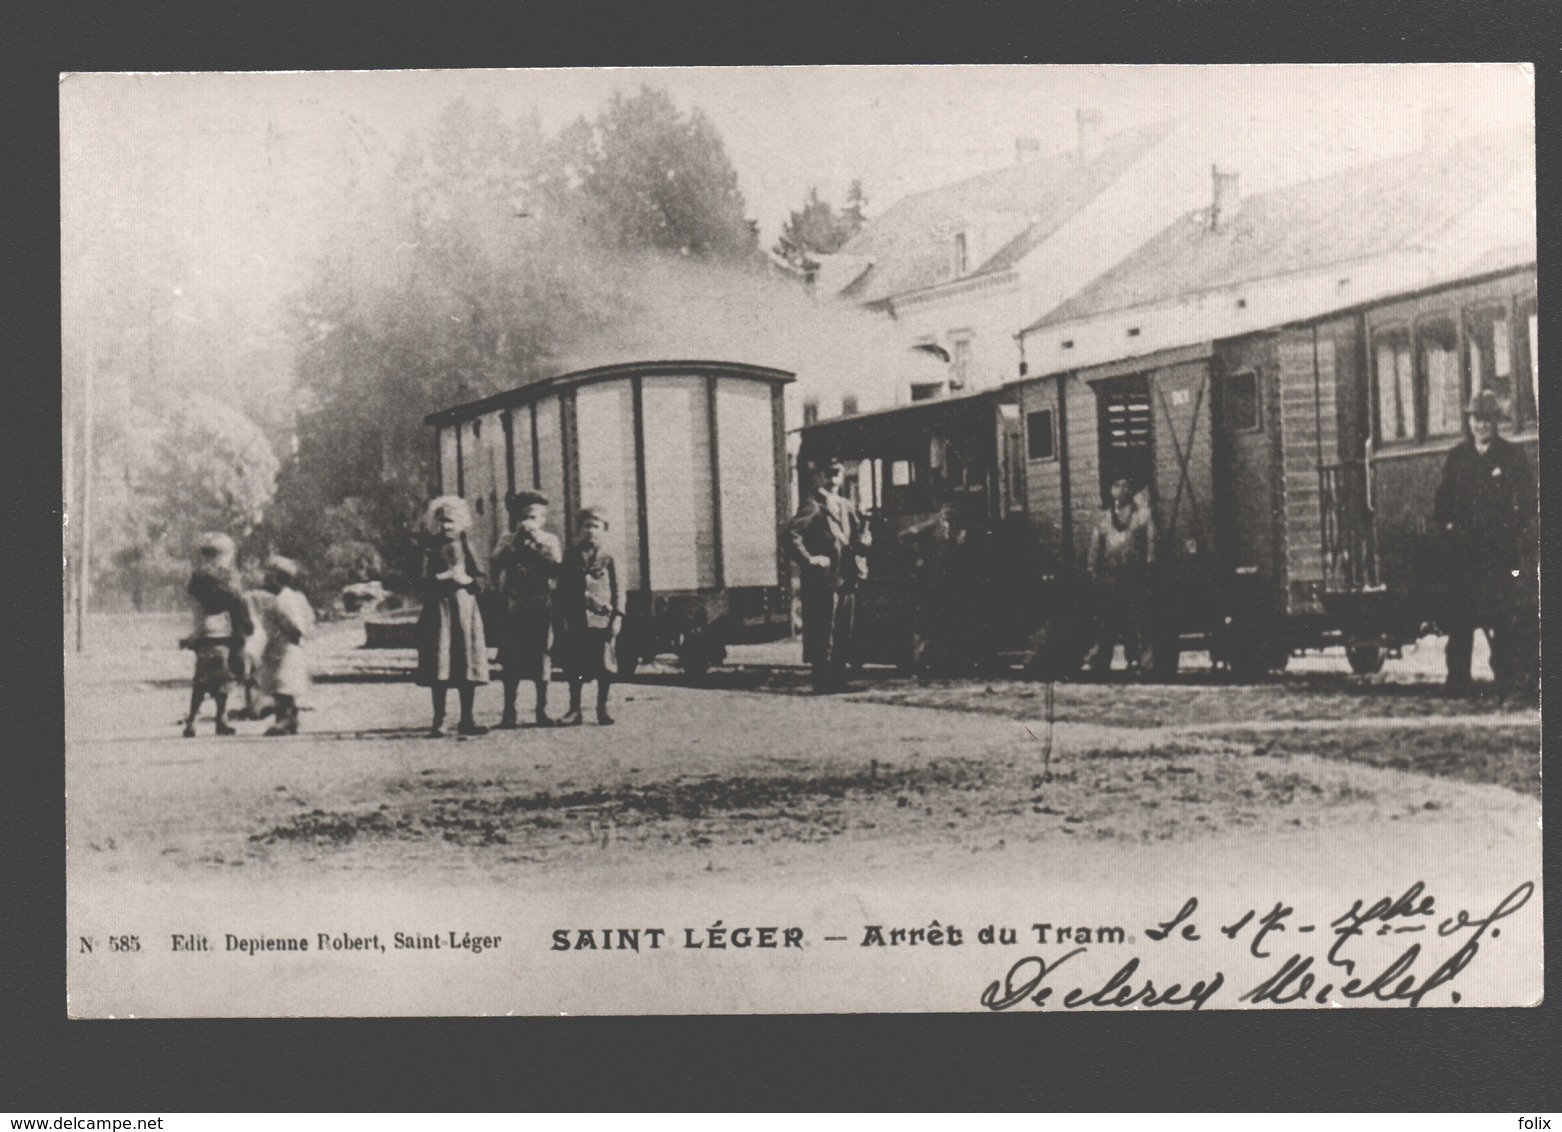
x: 808, y: 539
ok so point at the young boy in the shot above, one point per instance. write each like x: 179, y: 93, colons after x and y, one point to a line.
x: 525, y: 566
x: 222, y: 621
x: 288, y: 619
x: 590, y: 614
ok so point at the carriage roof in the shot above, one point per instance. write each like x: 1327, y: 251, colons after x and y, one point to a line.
x: 535, y: 390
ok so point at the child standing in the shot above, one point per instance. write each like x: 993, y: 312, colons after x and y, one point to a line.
x: 590, y: 614
x: 287, y: 620
x: 257, y: 705
x: 222, y: 621
x: 525, y: 566
x: 451, y: 645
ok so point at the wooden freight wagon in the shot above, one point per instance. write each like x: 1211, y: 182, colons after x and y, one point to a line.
x: 1180, y: 427
x: 688, y: 460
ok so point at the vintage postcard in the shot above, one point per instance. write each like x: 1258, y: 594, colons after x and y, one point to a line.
x: 769, y: 540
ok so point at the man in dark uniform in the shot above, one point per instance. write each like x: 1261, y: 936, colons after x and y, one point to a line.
x: 1485, y: 511
x: 827, y: 539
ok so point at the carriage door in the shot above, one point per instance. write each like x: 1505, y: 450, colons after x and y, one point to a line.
x: 1123, y: 407
x: 1184, y: 465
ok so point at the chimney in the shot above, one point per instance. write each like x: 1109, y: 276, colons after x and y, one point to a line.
x: 1090, y: 143
x: 1025, y: 149
x: 1224, y: 198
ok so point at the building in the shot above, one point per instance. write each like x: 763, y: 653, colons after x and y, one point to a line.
x: 1444, y: 211
x: 1283, y: 375
x: 961, y: 269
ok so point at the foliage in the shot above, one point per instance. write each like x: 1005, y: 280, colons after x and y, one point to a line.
x: 651, y: 177
x: 484, y: 256
x: 162, y: 479
x: 818, y: 229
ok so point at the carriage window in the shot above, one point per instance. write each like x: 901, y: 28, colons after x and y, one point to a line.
x: 1491, y: 357
x: 1526, y: 360
x: 1241, y: 402
x: 1039, y: 435
x: 1396, y: 400
x: 900, y: 473
x: 1124, y: 429
x: 1437, y: 342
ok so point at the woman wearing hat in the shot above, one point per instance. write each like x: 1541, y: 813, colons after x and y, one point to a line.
x: 525, y: 567
x: 590, y: 615
x: 1485, y: 511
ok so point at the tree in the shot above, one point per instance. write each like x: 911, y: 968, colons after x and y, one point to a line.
x: 856, y: 202
x: 163, y: 478
x: 489, y: 256
x: 653, y: 178
x: 817, y: 229
x: 465, y: 275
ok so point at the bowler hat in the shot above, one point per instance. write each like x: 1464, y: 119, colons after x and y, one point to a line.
x: 521, y: 500
x: 1485, y: 404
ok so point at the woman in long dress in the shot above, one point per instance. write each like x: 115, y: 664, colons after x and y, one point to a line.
x: 451, y: 647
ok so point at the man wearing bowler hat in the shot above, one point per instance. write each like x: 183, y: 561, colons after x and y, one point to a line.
x: 1485, y: 511
x: 827, y: 539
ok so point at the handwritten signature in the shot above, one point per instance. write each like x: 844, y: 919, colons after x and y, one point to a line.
x: 1296, y: 979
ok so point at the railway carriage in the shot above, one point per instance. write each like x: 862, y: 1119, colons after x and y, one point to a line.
x: 687, y: 458
x: 1290, y: 470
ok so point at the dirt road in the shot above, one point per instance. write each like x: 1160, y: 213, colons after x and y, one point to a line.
x: 750, y: 774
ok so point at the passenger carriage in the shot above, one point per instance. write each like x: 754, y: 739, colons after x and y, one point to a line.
x: 687, y: 458
x: 1291, y: 471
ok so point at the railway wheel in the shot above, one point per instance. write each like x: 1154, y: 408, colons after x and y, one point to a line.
x: 699, y: 651
x: 1252, y: 654
x: 1366, y: 659
x: 1058, y: 653
x: 1165, y: 658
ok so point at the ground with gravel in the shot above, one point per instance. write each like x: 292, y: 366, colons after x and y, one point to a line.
x: 744, y: 770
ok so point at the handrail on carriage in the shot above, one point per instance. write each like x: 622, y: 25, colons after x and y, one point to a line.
x: 1348, y: 529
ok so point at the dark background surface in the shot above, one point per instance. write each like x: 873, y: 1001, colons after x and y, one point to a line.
x: 1501, y: 1060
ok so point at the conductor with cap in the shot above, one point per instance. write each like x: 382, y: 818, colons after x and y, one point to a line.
x: 1485, y: 512
x: 827, y: 539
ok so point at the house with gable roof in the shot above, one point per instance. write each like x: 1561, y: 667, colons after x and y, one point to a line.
x: 1445, y: 211
x: 1283, y: 375
x: 961, y: 269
